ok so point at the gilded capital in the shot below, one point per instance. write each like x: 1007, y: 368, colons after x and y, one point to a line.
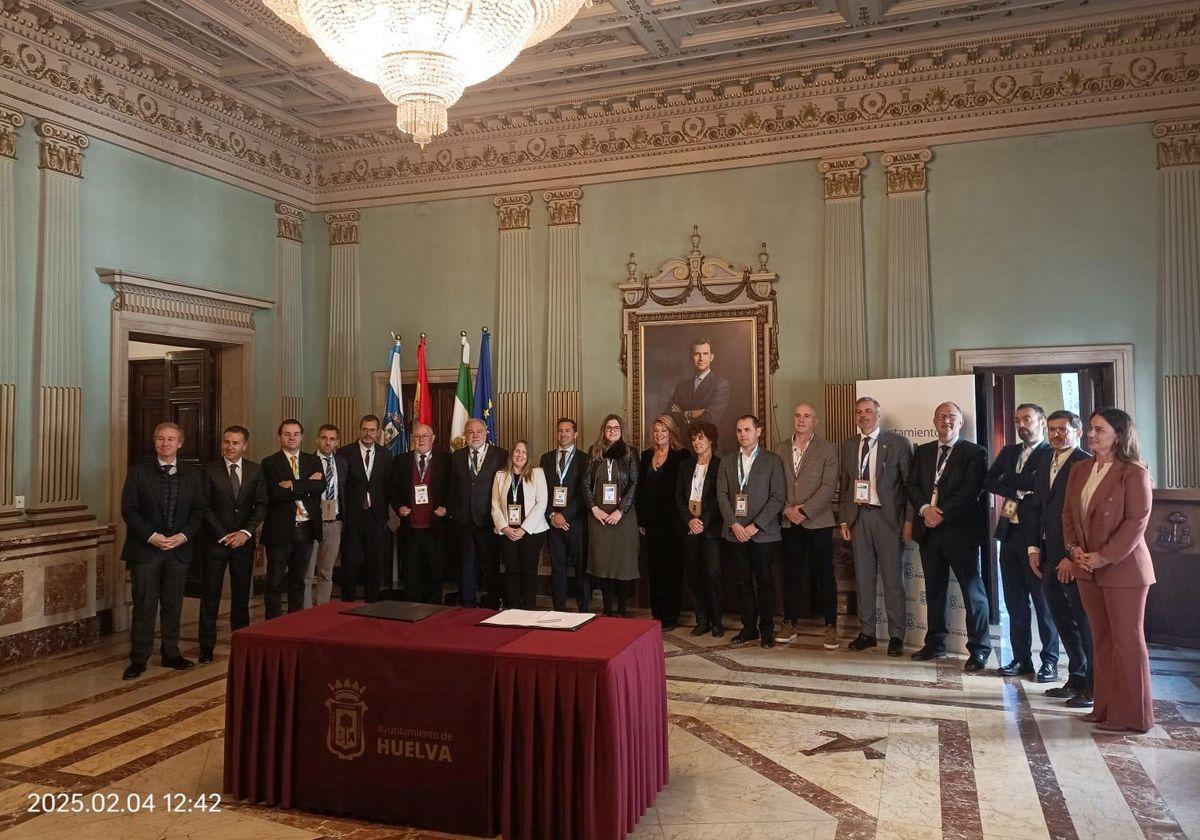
x: 513, y: 210
x: 343, y: 227
x: 906, y: 170
x: 842, y: 176
x: 289, y: 222
x: 61, y: 148
x: 10, y: 121
x: 1178, y: 142
x: 563, y: 206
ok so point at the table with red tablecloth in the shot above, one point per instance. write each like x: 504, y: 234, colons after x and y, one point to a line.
x: 445, y: 724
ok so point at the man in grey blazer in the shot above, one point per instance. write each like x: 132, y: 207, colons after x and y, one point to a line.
x: 871, y: 511
x: 810, y: 465
x: 750, y: 493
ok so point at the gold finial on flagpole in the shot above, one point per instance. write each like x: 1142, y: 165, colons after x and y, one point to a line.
x: 484, y: 328
x: 422, y: 335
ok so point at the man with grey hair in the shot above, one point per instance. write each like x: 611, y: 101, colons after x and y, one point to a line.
x: 472, y: 469
x: 871, y: 508
x: 419, y: 483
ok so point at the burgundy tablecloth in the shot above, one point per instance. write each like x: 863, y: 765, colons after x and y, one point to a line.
x: 444, y: 724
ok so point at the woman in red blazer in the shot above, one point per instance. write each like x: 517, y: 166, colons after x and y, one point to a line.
x: 1104, y: 526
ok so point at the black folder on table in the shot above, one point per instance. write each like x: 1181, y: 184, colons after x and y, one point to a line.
x: 397, y: 610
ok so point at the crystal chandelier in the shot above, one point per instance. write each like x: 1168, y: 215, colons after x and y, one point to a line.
x: 424, y: 53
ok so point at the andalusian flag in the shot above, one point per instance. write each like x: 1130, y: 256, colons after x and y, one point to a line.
x: 462, y: 399
x: 422, y: 407
x: 485, y: 398
x: 394, y: 437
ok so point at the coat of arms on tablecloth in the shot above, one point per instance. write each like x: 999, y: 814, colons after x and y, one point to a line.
x: 346, y: 711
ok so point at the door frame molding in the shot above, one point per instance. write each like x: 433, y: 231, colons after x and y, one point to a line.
x: 1120, y: 356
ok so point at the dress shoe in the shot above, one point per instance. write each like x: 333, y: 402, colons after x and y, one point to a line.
x: 1093, y: 717
x: 1082, y: 700
x: 1062, y: 692
x: 831, y: 639
x: 1016, y: 669
x: 976, y: 662
x: 862, y: 641
x: 744, y: 636
x: 206, y: 656
x: 1047, y: 673
x: 926, y: 653
x: 767, y: 641
x: 789, y: 632
x: 179, y: 663
x: 699, y: 630
x: 718, y: 631
x: 134, y: 671
x: 895, y: 646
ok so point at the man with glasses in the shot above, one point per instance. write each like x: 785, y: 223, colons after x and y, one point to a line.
x: 419, y: 487
x: 318, y: 580
x: 472, y: 470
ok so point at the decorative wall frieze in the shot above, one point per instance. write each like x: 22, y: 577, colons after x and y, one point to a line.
x: 61, y: 149
x: 10, y: 121
x: 563, y: 206
x: 906, y: 170
x: 169, y: 299
x: 343, y: 227
x: 842, y: 176
x: 1178, y: 142
x: 289, y: 222
x: 513, y: 210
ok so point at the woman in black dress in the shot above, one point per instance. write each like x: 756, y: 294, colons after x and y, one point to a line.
x: 696, y: 504
x: 657, y: 475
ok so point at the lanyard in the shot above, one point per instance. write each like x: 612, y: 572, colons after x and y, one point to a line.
x: 565, y: 467
x: 422, y: 467
x: 937, y: 476
x: 608, y: 461
x: 744, y: 475
x: 862, y: 464
x: 798, y: 459
x: 512, y: 489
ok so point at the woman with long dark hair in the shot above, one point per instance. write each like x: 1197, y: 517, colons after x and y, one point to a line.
x: 610, y: 489
x: 657, y: 474
x: 699, y: 514
x: 1105, y: 517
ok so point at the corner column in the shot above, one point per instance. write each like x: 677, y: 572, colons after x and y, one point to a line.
x: 909, y: 298
x: 564, y: 364
x: 289, y: 332
x: 10, y: 122
x: 345, y: 322
x: 512, y: 331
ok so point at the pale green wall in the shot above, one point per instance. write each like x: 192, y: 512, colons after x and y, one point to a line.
x: 1033, y: 241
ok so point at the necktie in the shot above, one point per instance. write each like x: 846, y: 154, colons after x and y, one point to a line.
x: 367, y: 463
x: 330, y: 479
x: 1056, y: 465
x: 474, y: 462
x: 421, y: 468
x: 301, y: 511
x: 696, y: 384
x: 562, y: 460
x: 234, y: 481
x: 295, y: 466
x: 1023, y: 457
x: 864, y: 458
x: 943, y: 451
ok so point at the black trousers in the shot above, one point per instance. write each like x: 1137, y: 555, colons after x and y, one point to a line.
x: 756, y: 585
x: 423, y: 565
x: 702, y: 562
x: 520, y: 569
x: 664, y: 568
x: 479, y: 550
x: 614, y: 593
x: 157, y: 593
x: 938, y: 557
x: 808, y: 553
x: 214, y: 560
x: 1072, y: 622
x: 568, y: 549
x: 287, y: 564
x: 1022, y: 587
x: 363, y: 538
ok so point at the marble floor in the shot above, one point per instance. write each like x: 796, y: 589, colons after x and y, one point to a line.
x: 791, y: 743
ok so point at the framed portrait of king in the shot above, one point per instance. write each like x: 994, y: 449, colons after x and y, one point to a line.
x: 698, y: 344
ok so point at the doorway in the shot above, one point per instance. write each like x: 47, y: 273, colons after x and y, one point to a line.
x: 178, y: 384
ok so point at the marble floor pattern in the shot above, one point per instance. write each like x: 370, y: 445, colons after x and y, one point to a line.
x: 792, y: 743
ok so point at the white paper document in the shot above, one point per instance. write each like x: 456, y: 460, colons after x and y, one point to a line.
x: 539, y: 619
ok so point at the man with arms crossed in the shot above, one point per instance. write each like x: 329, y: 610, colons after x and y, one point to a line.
x: 294, y: 485
x: 318, y: 578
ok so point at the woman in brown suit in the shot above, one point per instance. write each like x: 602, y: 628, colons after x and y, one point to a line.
x: 1104, y: 526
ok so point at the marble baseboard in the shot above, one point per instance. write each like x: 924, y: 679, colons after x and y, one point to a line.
x: 43, y: 641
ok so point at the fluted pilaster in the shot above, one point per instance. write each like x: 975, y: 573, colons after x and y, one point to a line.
x: 564, y: 363
x: 10, y: 122
x: 909, y: 298
x: 844, y: 305
x: 58, y: 325
x: 289, y: 335
x: 1179, y: 300
x: 345, y: 322
x: 512, y: 334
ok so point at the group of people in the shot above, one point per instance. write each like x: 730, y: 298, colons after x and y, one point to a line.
x: 1071, y: 530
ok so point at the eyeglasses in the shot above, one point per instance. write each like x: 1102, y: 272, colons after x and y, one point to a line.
x: 421, y: 437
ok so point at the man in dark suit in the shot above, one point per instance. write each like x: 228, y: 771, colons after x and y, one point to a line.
x: 704, y: 394
x: 318, y: 578
x: 365, y: 514
x: 564, y: 468
x: 871, y: 511
x: 472, y: 470
x: 162, y: 504
x: 294, y: 483
x: 236, y: 497
x: 944, y: 487
x: 420, y: 482
x: 1048, y: 556
x: 1011, y: 476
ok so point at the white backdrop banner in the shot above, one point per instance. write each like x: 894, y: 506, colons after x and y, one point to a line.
x: 908, y: 406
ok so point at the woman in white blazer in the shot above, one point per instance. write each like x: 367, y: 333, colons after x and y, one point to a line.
x: 519, y: 499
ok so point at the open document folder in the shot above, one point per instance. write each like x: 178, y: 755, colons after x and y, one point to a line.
x: 539, y: 619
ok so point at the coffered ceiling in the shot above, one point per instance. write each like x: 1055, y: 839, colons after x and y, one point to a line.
x: 615, y: 49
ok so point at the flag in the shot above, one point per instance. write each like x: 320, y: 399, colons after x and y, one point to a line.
x: 394, y: 437
x: 462, y: 399
x: 422, y: 408
x: 484, y: 397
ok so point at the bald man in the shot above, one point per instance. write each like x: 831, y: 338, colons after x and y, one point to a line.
x: 472, y: 469
x: 420, y: 482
